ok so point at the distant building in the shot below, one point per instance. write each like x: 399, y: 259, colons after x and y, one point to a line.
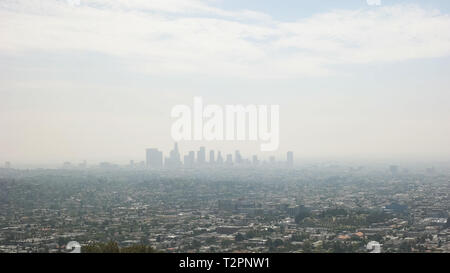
x: 189, y: 160
x: 229, y: 160
x: 219, y: 158
x: 237, y: 157
x: 7, y: 164
x: 107, y: 165
x: 211, y: 157
x: 255, y: 160
x: 174, y: 160
x: 272, y: 160
x: 393, y: 169
x: 431, y: 170
x: 154, y: 158
x: 201, y: 156
x: 290, y: 159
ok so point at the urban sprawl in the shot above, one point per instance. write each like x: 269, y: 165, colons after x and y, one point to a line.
x: 226, y: 204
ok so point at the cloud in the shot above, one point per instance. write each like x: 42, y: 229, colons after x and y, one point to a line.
x: 373, y: 2
x: 169, y: 37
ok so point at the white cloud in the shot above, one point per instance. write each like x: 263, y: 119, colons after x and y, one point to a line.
x: 192, y: 36
x: 373, y: 2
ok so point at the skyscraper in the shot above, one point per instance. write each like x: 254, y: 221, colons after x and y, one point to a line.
x: 219, y: 158
x: 154, y: 158
x: 393, y: 169
x: 211, y: 157
x: 237, y: 157
x: 229, y: 160
x: 272, y: 160
x: 290, y: 159
x: 174, y: 160
x: 255, y: 160
x: 201, y: 156
x: 189, y: 160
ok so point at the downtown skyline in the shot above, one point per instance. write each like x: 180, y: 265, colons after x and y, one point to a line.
x: 198, y: 159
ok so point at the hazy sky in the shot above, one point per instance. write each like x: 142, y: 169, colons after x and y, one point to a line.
x: 96, y: 79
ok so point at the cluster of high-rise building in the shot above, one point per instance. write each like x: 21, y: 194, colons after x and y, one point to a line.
x: 155, y: 159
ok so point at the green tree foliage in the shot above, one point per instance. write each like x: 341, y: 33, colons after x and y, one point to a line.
x: 110, y: 247
x: 377, y: 217
x: 275, y: 243
x: 138, y: 249
x: 307, y: 247
x: 299, y: 237
x: 405, y: 247
x: 302, y: 214
x: 196, y: 244
x: 239, y: 237
x: 334, y: 212
x: 226, y: 243
x: 113, y: 247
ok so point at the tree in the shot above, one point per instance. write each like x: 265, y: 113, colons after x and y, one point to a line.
x: 239, y: 237
x: 302, y: 214
x: 138, y: 249
x: 277, y: 243
x: 211, y: 240
x: 113, y: 247
x: 196, y: 244
x: 226, y: 243
x: 307, y: 247
x: 404, y: 247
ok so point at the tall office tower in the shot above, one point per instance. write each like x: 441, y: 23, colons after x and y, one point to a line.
x: 186, y: 161
x: 393, y: 169
x: 272, y: 160
x: 176, y: 154
x: 175, y: 148
x: 219, y: 158
x: 255, y: 160
x: 192, y: 158
x: 167, y: 163
x: 7, y: 164
x: 211, y: 157
x: 201, y: 156
x: 189, y: 160
x: 154, y: 158
x: 174, y: 160
x: 237, y: 157
x: 290, y: 159
x: 229, y: 160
